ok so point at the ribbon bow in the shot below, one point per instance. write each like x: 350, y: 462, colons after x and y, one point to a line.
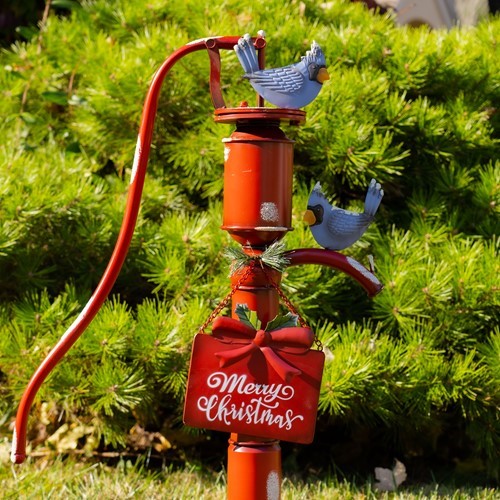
x: 285, y: 339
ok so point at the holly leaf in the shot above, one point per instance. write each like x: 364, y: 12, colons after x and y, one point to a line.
x: 286, y: 321
x: 247, y: 316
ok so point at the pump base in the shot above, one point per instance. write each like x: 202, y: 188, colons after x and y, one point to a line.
x: 253, y: 468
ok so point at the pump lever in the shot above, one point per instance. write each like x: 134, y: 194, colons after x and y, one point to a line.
x: 227, y: 43
x: 18, y: 453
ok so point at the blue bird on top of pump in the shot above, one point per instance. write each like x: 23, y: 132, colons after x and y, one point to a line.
x: 292, y: 86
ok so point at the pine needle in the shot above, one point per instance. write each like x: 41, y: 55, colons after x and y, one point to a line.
x: 273, y: 257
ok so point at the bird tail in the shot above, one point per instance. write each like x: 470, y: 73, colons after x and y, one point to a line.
x: 247, y: 54
x: 373, y: 198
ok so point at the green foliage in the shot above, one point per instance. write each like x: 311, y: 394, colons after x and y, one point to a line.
x: 416, y: 109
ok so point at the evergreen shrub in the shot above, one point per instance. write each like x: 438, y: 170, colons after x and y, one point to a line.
x: 413, y: 373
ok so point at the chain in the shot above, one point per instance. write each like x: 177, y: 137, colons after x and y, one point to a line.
x: 290, y: 306
x: 318, y: 343
x: 225, y: 301
x: 283, y: 297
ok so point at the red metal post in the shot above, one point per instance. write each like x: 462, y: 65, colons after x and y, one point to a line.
x: 254, y: 468
x: 258, y: 174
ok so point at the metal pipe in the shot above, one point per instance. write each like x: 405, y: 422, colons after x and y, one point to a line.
x: 338, y: 261
x: 253, y: 468
x: 18, y: 453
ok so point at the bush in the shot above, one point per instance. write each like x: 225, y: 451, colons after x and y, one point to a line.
x: 415, y: 109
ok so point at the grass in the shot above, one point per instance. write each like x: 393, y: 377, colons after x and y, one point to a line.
x: 71, y: 479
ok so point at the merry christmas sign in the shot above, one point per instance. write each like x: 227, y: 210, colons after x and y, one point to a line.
x: 255, y: 382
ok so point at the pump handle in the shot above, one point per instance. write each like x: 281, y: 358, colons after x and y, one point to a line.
x: 143, y: 146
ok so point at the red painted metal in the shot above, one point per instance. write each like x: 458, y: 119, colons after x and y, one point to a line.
x: 258, y: 170
x: 213, y: 46
x: 260, y: 43
x: 254, y: 116
x: 338, y: 261
x: 257, y: 212
x: 258, y: 176
x: 254, y: 382
x: 253, y: 469
x: 257, y: 293
x: 108, y: 279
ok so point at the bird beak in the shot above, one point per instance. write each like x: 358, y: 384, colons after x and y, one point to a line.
x: 323, y: 75
x: 309, y: 217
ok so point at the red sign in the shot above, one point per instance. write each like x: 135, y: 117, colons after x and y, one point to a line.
x: 263, y: 384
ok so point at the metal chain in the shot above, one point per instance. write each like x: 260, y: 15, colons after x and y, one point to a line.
x: 283, y: 297
x: 318, y: 343
x: 290, y: 306
x: 225, y: 301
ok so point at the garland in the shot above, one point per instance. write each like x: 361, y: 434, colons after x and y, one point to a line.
x: 273, y: 257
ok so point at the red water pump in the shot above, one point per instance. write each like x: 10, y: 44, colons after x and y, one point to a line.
x: 261, y: 384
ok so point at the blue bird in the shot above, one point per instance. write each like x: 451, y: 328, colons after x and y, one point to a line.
x: 292, y: 86
x: 335, y: 228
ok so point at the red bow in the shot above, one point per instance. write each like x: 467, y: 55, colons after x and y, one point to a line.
x: 294, y: 339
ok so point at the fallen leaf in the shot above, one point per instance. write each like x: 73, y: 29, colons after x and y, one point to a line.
x: 67, y: 437
x: 5, y: 451
x: 390, y: 479
x: 139, y: 438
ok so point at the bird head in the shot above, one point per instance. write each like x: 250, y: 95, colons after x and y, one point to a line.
x: 317, y: 205
x: 316, y: 64
x: 314, y: 215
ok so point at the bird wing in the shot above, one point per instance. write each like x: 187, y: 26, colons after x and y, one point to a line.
x: 287, y: 80
x: 342, y: 222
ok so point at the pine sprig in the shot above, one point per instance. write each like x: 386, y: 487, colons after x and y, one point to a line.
x: 273, y: 257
